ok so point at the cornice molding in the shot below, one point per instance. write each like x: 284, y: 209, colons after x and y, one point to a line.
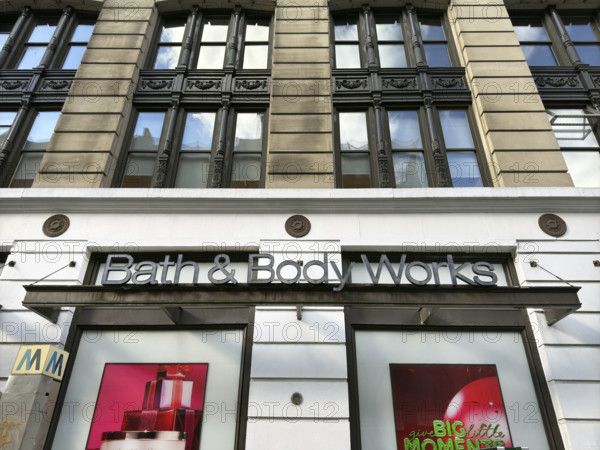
x: 302, y: 201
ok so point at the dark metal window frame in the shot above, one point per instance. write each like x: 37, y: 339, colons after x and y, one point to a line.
x: 131, y: 319
x: 396, y: 319
x: 39, y: 89
x: 572, y: 82
x: 58, y: 47
x: 417, y: 87
x: 186, y: 89
x: 192, y: 40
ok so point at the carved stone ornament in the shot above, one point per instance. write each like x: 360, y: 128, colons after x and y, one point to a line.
x: 55, y: 225
x: 12, y: 85
x: 251, y: 84
x: 399, y: 84
x: 297, y: 226
x: 552, y: 225
x: 556, y: 82
x: 56, y: 85
x: 157, y: 84
x: 351, y: 84
x: 448, y: 83
x: 204, y: 84
x: 597, y: 81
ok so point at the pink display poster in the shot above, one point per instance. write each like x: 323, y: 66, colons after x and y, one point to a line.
x: 149, y: 406
x: 444, y: 406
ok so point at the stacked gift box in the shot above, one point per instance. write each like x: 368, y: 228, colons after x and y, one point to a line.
x: 166, y: 408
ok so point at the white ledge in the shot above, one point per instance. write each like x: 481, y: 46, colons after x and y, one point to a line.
x: 253, y: 201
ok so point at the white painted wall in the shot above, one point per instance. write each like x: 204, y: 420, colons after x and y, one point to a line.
x: 309, y: 356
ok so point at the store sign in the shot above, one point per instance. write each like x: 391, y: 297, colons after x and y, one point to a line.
x: 261, y: 268
x: 41, y: 359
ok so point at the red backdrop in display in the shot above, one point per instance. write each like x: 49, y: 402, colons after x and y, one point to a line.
x: 122, y: 389
x: 443, y: 402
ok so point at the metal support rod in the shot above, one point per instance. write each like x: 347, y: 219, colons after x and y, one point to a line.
x: 370, y: 46
x: 56, y: 37
x: 17, y: 30
x: 220, y: 154
x: 163, y: 159
x: 564, y: 37
x: 232, y: 50
x: 415, y: 38
x: 186, y: 51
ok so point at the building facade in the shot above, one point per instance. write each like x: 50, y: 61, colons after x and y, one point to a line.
x: 300, y: 224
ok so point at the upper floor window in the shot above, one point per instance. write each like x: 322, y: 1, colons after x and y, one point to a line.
x: 535, y: 42
x: 558, y: 39
x: 411, y: 154
x: 585, y: 34
x: 577, y: 134
x: 196, y: 152
x: 32, y: 149
x: 209, y: 35
x: 355, y: 34
x: 32, y: 34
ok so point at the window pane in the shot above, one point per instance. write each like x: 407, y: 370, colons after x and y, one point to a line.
x: 32, y: 57
x: 353, y: 131
x: 3, y: 38
x: 42, y: 33
x: 6, y: 120
x: 248, y: 132
x: 539, y: 55
x: 167, y: 57
x: 572, y: 132
x: 82, y: 33
x: 581, y: 29
x: 7, y: 117
x: 148, y: 129
x: 42, y: 130
x: 255, y: 57
x: 347, y: 56
x: 409, y: 170
x: 139, y: 169
x: 584, y: 168
x: 27, y: 170
x: 530, y: 30
x: 172, y: 33
x: 455, y: 127
x: 404, y: 129
x: 211, y: 57
x: 214, y: 33
x: 198, y: 132
x: 589, y: 54
x: 431, y: 29
x: 346, y: 32
x: 392, y: 55
x: 356, y: 171
x: 464, y: 169
x: 246, y: 171
x: 256, y: 31
x: 74, y: 56
x: 193, y: 170
x: 437, y: 55
x: 389, y: 31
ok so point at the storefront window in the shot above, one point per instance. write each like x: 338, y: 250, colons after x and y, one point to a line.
x: 126, y: 382
x: 446, y: 388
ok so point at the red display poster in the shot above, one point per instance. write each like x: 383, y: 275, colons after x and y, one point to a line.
x: 448, y: 407
x: 149, y: 406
